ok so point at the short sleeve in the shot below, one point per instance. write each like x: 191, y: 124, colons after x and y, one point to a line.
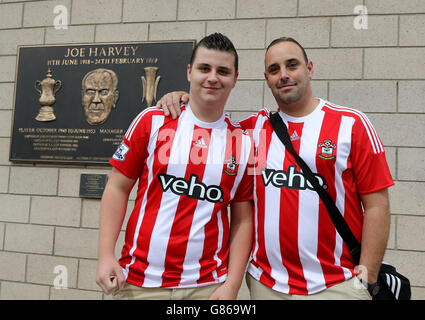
x: 129, y: 158
x: 245, y: 190
x: 371, y: 171
x: 249, y: 122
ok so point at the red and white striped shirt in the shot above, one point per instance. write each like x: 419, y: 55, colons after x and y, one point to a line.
x: 189, y: 171
x: 297, y: 249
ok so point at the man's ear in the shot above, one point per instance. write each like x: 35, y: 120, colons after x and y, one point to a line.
x: 189, y: 71
x: 236, y: 79
x: 310, y: 69
x: 267, y: 78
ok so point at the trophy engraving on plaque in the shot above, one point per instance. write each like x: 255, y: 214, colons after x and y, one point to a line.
x: 150, y: 85
x: 49, y: 87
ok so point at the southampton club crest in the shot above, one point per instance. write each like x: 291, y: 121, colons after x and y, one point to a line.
x: 327, y: 150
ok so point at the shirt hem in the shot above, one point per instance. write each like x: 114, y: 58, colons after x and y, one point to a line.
x: 256, y: 272
x: 181, y: 286
x: 377, y: 188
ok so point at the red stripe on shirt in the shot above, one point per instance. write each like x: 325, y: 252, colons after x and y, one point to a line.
x: 164, y: 142
x: 180, y: 230
x: 288, y: 224
x: 325, y: 164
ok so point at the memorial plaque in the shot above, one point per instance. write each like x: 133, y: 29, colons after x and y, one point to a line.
x: 92, y: 185
x: 74, y: 103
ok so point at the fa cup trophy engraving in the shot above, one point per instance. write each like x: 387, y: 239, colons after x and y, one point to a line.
x: 49, y: 87
x: 150, y: 85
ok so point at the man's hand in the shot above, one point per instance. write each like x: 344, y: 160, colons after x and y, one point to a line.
x: 171, y: 102
x: 109, y: 275
x: 225, y: 292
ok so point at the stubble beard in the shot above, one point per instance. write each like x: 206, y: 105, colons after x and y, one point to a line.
x: 288, y: 98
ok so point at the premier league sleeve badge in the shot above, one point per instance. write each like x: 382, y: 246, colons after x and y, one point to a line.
x: 121, y: 152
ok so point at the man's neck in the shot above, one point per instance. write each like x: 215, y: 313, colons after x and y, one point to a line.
x: 206, y: 112
x: 300, y: 108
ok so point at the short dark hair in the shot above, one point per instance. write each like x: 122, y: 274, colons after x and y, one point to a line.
x: 216, y: 41
x: 283, y: 39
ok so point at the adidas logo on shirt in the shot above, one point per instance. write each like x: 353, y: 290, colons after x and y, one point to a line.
x: 200, y: 143
x: 295, y: 136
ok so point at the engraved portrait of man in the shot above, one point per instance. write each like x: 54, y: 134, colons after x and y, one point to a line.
x: 99, y: 95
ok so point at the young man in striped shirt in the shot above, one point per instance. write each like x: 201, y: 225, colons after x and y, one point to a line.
x: 178, y: 243
x: 297, y: 253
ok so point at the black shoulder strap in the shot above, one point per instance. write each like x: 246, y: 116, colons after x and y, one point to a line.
x: 335, y: 215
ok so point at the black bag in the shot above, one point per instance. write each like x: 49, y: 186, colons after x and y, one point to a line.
x: 391, y: 285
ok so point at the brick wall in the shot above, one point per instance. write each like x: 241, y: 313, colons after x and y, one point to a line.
x: 44, y: 224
